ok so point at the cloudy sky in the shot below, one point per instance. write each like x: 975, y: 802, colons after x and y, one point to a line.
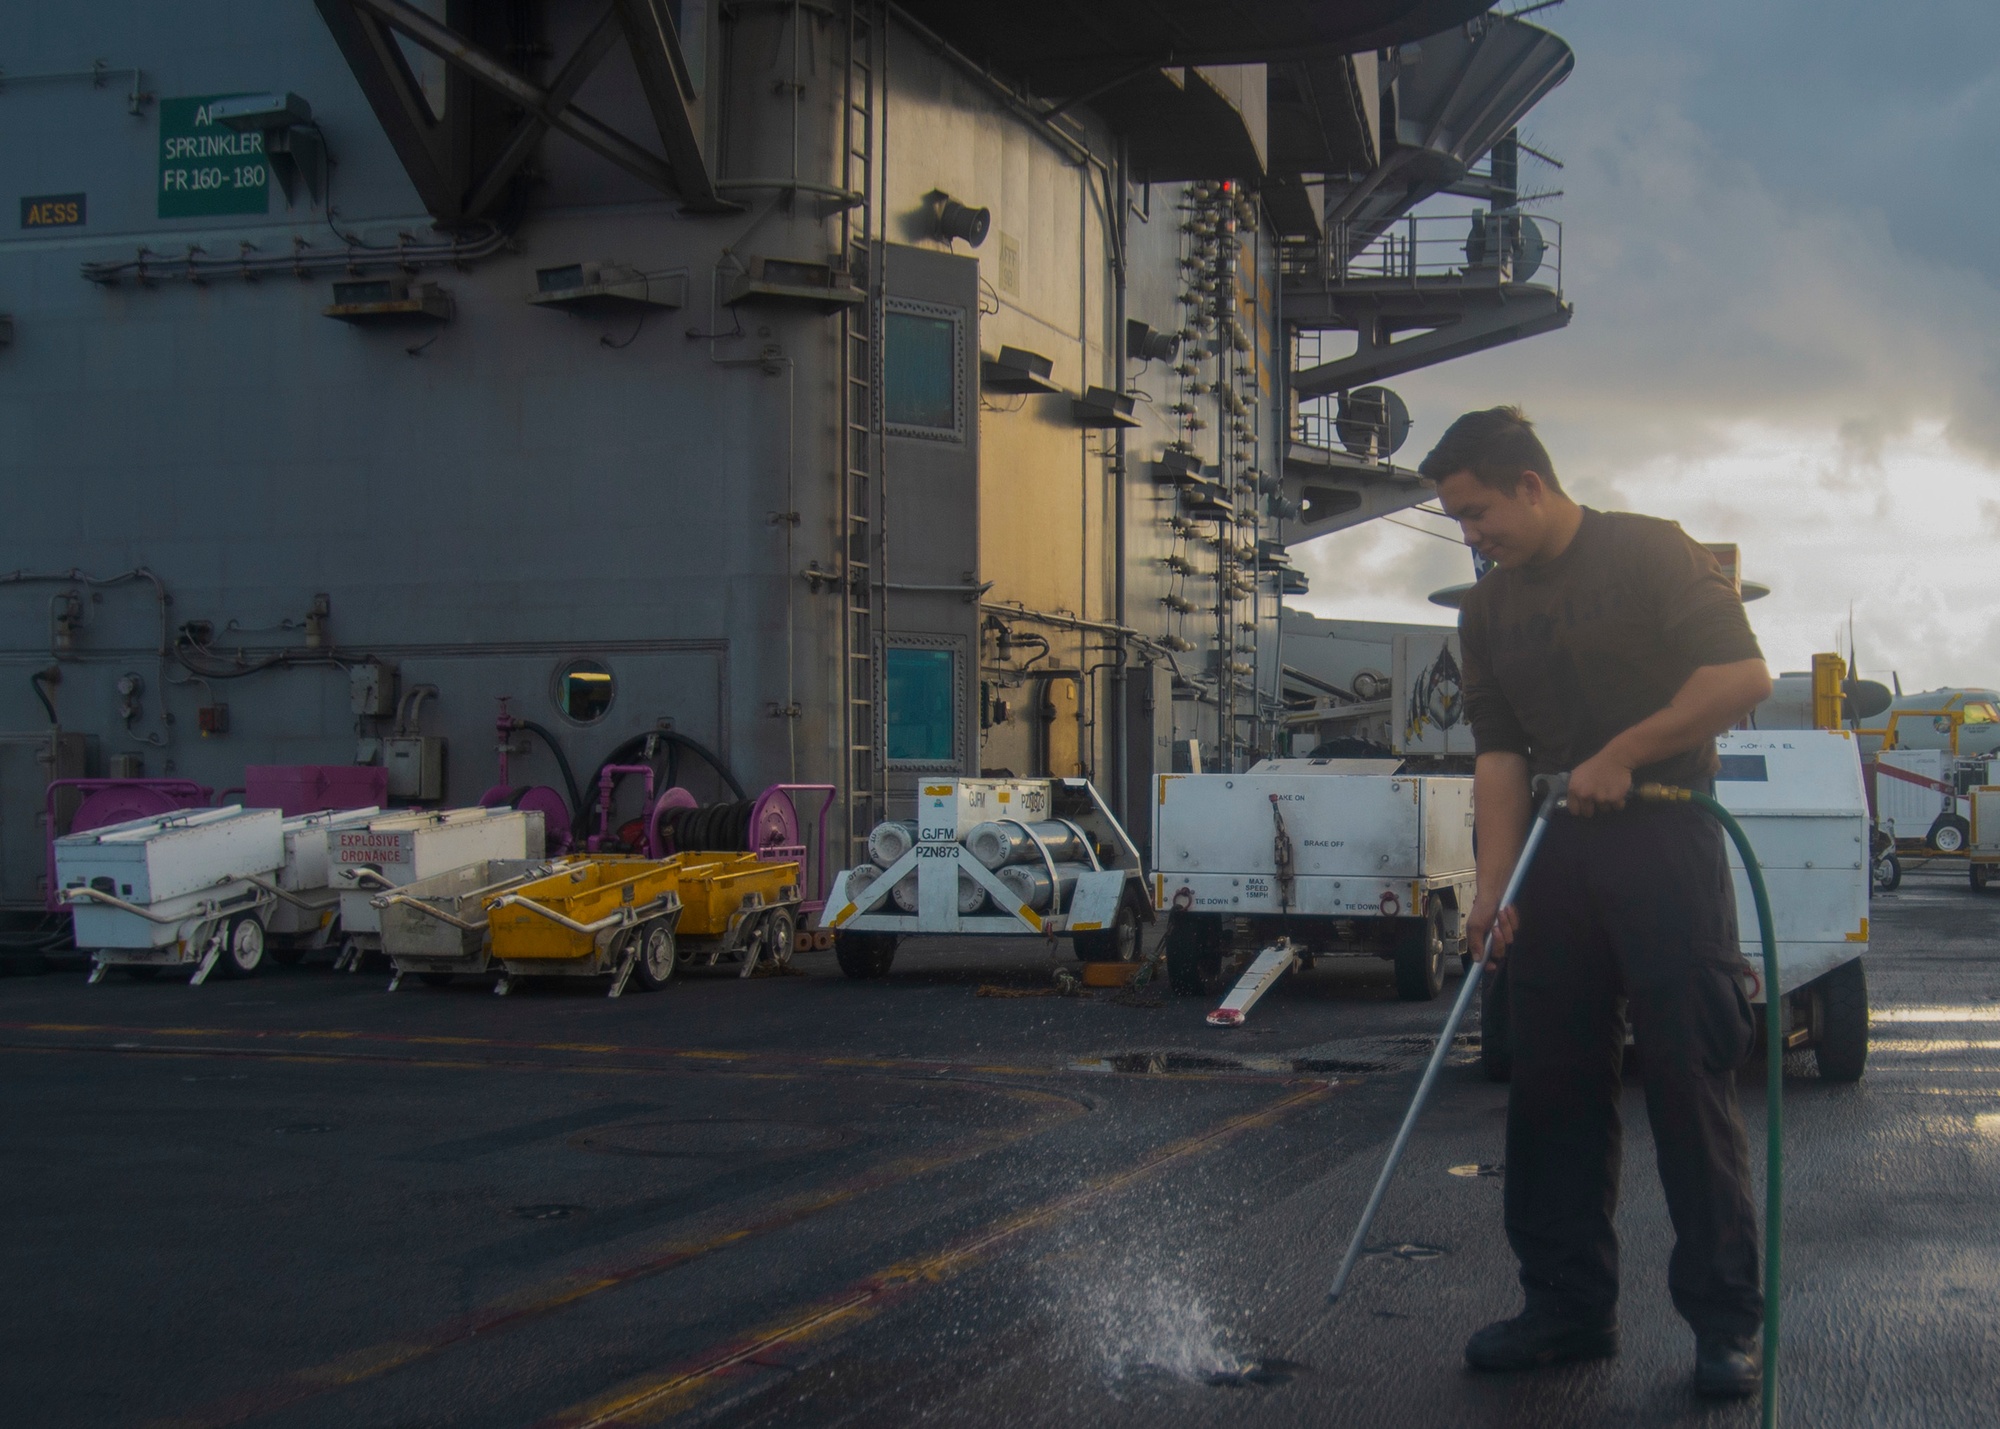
x: 1782, y: 235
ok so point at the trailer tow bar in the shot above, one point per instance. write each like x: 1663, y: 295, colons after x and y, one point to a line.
x: 1555, y: 790
x: 1259, y: 978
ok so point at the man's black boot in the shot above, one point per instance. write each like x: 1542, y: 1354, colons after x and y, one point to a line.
x: 1727, y: 1366
x: 1534, y: 1339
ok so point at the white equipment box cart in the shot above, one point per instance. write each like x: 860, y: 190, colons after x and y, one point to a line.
x: 395, y: 849
x: 993, y: 857
x: 186, y: 889
x: 1310, y: 858
x: 306, y: 915
x: 1799, y: 796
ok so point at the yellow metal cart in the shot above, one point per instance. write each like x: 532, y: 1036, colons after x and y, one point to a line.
x: 601, y: 917
x: 737, y: 910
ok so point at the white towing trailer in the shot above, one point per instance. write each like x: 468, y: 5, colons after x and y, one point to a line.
x: 395, y: 849
x: 306, y: 915
x: 186, y: 889
x: 993, y: 857
x: 1312, y: 858
x: 1798, y: 794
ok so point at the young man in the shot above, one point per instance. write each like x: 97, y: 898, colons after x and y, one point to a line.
x: 1611, y: 646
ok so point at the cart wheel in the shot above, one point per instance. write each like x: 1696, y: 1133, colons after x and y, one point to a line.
x: 1420, y: 955
x: 864, y: 955
x: 1117, y: 944
x: 656, y: 956
x: 780, y: 935
x: 435, y: 979
x: 242, y: 947
x: 1194, y: 953
x: 1981, y: 876
x: 1949, y: 834
x: 1496, y: 1039
x: 1842, y: 1049
x: 1888, y: 873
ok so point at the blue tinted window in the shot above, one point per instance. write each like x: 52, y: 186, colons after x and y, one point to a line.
x: 921, y: 372
x: 922, y: 697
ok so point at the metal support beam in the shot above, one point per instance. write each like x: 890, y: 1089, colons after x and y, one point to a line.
x: 420, y: 142
x: 529, y: 130
x: 1453, y: 320
x: 663, y: 75
x: 459, y: 52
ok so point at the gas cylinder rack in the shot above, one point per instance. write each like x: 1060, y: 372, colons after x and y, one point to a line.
x: 993, y: 857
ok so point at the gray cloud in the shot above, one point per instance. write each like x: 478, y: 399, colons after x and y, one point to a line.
x: 1779, y: 241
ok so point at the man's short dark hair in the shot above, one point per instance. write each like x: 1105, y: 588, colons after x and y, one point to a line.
x: 1496, y: 446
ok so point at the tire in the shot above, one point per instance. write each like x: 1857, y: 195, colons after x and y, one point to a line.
x: 1496, y: 1038
x: 864, y: 955
x: 1981, y: 875
x: 1194, y: 953
x: 780, y: 935
x: 1888, y: 873
x: 1842, y: 1048
x: 1117, y: 944
x: 1420, y: 954
x: 242, y: 947
x: 1950, y: 834
x: 656, y: 954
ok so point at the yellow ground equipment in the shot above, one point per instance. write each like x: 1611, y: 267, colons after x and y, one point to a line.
x: 601, y: 916
x: 737, y: 909
x: 436, y: 927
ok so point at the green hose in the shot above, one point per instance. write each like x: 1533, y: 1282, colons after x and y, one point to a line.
x: 1774, y: 1059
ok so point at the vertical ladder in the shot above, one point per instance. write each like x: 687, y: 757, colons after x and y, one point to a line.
x: 863, y: 724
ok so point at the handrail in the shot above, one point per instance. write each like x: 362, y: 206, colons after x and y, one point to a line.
x: 666, y: 902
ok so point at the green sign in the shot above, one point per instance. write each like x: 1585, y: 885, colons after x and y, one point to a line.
x: 208, y: 168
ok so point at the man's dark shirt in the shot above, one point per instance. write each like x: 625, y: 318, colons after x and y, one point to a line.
x: 1563, y: 657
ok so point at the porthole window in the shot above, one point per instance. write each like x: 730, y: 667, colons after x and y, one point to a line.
x: 584, y: 690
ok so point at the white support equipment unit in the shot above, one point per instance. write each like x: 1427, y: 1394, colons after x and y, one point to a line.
x: 1102, y: 895
x: 392, y: 850
x: 311, y: 913
x: 1799, y: 797
x: 1319, y: 856
x: 186, y: 888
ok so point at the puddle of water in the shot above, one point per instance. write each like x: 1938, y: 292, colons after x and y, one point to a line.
x: 1406, y: 1250
x: 1480, y: 1168
x: 552, y: 1212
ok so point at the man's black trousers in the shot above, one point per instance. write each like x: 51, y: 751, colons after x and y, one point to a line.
x: 1634, y: 905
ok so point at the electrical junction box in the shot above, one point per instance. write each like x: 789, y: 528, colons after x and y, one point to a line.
x: 416, y: 766
x: 371, y: 689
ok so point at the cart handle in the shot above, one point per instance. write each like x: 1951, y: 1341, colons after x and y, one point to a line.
x: 92, y: 895
x: 515, y: 900
x: 422, y: 907
x: 371, y: 875
x: 285, y: 893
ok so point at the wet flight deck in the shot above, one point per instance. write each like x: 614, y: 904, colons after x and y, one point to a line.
x: 944, y: 1198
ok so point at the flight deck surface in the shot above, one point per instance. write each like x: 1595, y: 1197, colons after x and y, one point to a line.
x: 298, y: 1200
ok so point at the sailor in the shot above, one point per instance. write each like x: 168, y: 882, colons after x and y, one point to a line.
x: 1612, y: 646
